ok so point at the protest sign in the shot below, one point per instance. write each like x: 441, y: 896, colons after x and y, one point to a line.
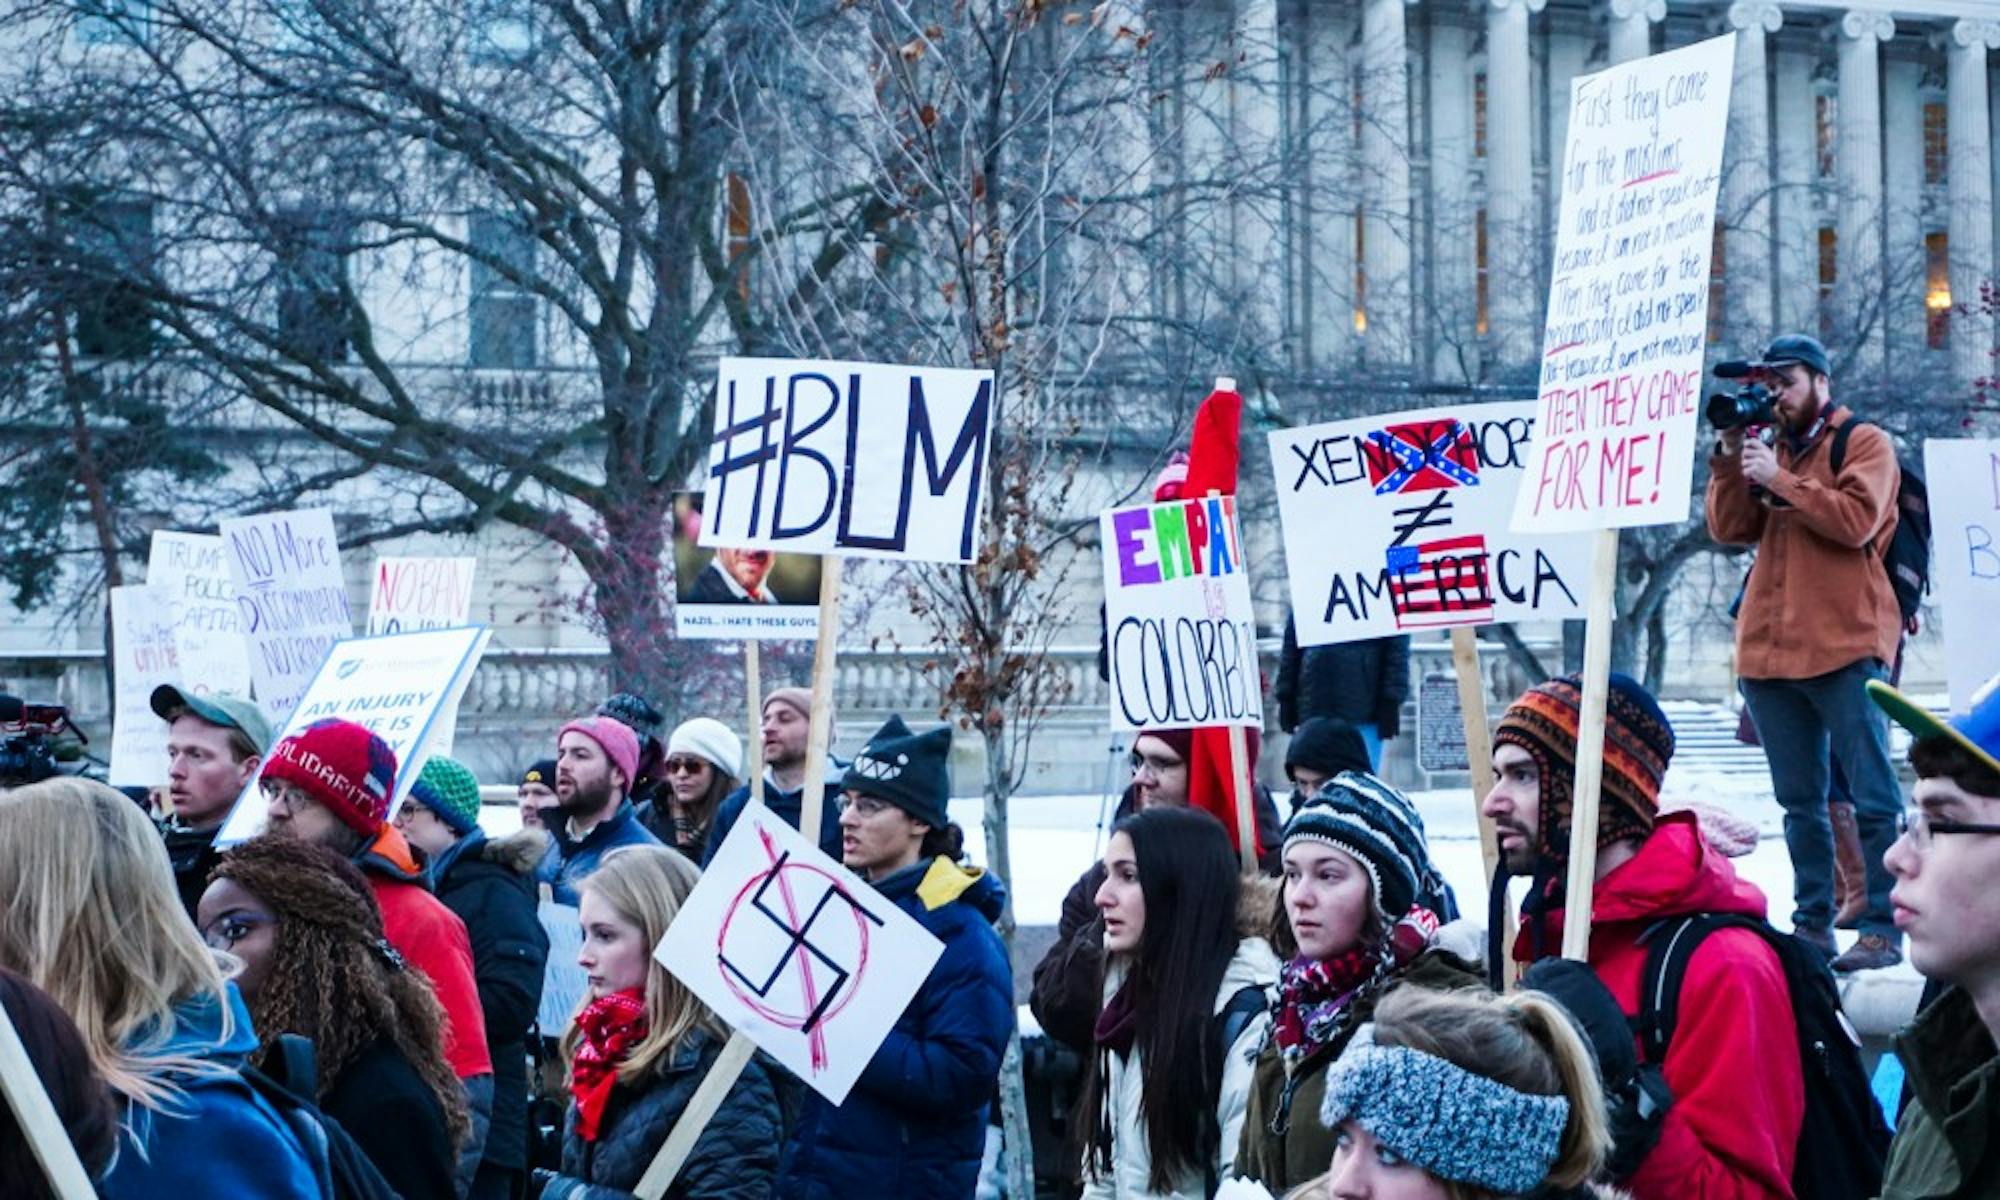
x: 563, y: 983
x: 1963, y: 476
x: 1182, y: 634
x: 192, y: 571
x: 400, y: 685
x: 143, y: 657
x: 848, y: 458
x: 412, y: 593
x: 736, y: 593
x: 797, y: 953
x: 1422, y: 501
x: 290, y: 598
x: 1628, y: 299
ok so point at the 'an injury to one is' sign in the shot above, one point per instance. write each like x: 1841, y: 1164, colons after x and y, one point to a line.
x: 857, y: 459
x: 1397, y: 523
x: 1181, y: 633
x: 798, y: 954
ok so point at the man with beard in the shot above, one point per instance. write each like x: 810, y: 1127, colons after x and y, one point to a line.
x: 596, y: 760
x: 1818, y: 621
x: 215, y: 744
x: 733, y: 577
x: 787, y: 720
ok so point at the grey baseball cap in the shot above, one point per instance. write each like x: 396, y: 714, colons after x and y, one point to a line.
x: 1791, y: 348
x: 218, y: 708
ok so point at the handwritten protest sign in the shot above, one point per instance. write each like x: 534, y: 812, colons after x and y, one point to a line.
x: 1182, y: 634
x: 1628, y: 301
x: 399, y: 685
x: 1422, y: 502
x: 797, y: 953
x: 1964, y: 480
x: 290, y: 598
x: 142, y: 647
x: 192, y: 571
x: 412, y: 593
x: 859, y: 459
x: 736, y: 593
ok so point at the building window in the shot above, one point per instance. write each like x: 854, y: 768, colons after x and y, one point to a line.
x: 313, y: 317
x: 1829, y: 274
x: 502, y: 313
x: 1937, y: 290
x: 1826, y: 124
x: 1360, y: 273
x: 1937, y: 143
x: 1479, y: 256
x: 1479, y: 115
x: 115, y: 23
x: 499, y: 31
x: 114, y: 244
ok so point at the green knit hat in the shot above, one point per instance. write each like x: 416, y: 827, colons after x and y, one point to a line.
x: 448, y: 788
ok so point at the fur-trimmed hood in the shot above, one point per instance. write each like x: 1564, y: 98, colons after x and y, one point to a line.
x: 1257, y: 906
x: 519, y: 852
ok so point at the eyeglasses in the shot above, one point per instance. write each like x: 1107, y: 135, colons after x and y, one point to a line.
x: 1156, y: 763
x: 683, y: 766
x: 867, y: 806
x: 223, y: 934
x: 291, y: 796
x: 1912, y: 823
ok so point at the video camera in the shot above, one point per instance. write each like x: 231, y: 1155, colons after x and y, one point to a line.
x: 1751, y: 404
x: 28, y: 752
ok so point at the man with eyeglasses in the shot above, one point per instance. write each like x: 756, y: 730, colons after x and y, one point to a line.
x: 1818, y: 620
x: 1945, y: 863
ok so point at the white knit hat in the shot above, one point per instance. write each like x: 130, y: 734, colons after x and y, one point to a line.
x: 708, y: 738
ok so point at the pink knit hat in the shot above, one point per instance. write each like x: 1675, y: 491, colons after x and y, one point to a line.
x: 616, y: 738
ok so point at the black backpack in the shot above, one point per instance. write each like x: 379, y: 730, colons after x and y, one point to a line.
x: 1908, y: 558
x: 1843, y: 1140
x: 289, y: 1083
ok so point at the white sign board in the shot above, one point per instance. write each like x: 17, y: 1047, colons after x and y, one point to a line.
x: 563, y: 984
x: 1421, y: 502
x: 1181, y: 632
x: 797, y: 953
x: 400, y: 685
x: 142, y: 649
x: 1628, y: 301
x: 291, y: 598
x: 192, y: 570
x: 856, y: 459
x: 1963, y: 476
x: 411, y: 593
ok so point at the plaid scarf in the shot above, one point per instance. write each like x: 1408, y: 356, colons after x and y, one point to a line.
x: 608, y: 1029
x: 1314, y: 994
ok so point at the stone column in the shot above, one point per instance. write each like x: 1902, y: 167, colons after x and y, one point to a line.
x: 1514, y: 316
x: 1859, y: 289
x: 1452, y: 238
x: 1903, y: 258
x: 1326, y: 106
x: 1631, y: 33
x: 1970, y: 182
x: 1746, y: 181
x: 1385, y: 184
x: 1797, y: 224
x: 1570, y: 42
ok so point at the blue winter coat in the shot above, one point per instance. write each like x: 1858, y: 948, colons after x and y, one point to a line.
x: 915, y: 1123
x: 789, y: 808
x: 218, y: 1138
x: 575, y: 859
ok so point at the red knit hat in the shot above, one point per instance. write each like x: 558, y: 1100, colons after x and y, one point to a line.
x: 342, y: 766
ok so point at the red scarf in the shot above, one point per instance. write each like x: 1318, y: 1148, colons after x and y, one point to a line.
x: 609, y: 1028
x: 1314, y: 994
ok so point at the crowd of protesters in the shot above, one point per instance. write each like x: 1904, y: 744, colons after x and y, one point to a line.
x: 353, y: 994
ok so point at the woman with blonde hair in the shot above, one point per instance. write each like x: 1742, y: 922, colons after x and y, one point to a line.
x: 640, y: 1045
x: 89, y: 914
x: 1462, y: 1096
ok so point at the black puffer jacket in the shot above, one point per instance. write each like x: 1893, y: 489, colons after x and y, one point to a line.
x: 491, y: 886
x: 1363, y: 683
x: 736, y: 1157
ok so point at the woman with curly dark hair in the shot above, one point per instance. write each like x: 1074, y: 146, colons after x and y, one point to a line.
x: 316, y: 963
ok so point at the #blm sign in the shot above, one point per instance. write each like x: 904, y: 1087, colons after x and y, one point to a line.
x: 1421, y: 501
x: 290, y: 597
x: 142, y: 647
x: 1964, y: 480
x: 1182, y: 636
x: 412, y: 593
x: 402, y: 686
x: 855, y: 459
x: 797, y: 953
x: 1628, y: 301
x: 192, y: 571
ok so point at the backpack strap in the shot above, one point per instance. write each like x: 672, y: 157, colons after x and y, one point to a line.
x: 1670, y: 946
x: 1836, y: 454
x: 1230, y: 1023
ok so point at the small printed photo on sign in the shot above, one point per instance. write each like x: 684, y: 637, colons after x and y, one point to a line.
x: 758, y: 594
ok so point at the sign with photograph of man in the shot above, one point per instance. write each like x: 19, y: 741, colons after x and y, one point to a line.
x: 739, y: 592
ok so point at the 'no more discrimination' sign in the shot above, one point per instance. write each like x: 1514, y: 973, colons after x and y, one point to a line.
x: 1182, y: 635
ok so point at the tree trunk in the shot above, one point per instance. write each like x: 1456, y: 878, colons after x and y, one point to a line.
x: 92, y: 480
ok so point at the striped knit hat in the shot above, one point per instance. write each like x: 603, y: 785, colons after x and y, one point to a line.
x: 1380, y: 827
x: 1638, y: 743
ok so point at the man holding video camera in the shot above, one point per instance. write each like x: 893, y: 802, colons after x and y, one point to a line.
x: 1818, y: 618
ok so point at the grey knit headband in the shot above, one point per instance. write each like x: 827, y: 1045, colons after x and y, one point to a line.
x: 1457, y: 1124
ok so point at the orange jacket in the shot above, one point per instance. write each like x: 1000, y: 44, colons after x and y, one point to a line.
x: 433, y: 940
x: 1818, y: 598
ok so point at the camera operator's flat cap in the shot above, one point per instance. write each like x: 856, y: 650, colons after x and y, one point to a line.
x: 1783, y: 351
x: 221, y: 708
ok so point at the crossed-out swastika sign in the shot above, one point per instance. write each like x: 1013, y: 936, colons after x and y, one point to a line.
x: 797, y: 953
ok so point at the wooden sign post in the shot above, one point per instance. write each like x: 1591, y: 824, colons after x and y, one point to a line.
x: 753, y: 691
x: 38, y: 1120
x: 1590, y: 749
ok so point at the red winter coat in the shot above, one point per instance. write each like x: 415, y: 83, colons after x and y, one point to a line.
x: 1733, y: 1064
x: 434, y: 941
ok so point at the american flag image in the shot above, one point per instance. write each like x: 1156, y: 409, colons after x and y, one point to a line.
x: 1442, y: 583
